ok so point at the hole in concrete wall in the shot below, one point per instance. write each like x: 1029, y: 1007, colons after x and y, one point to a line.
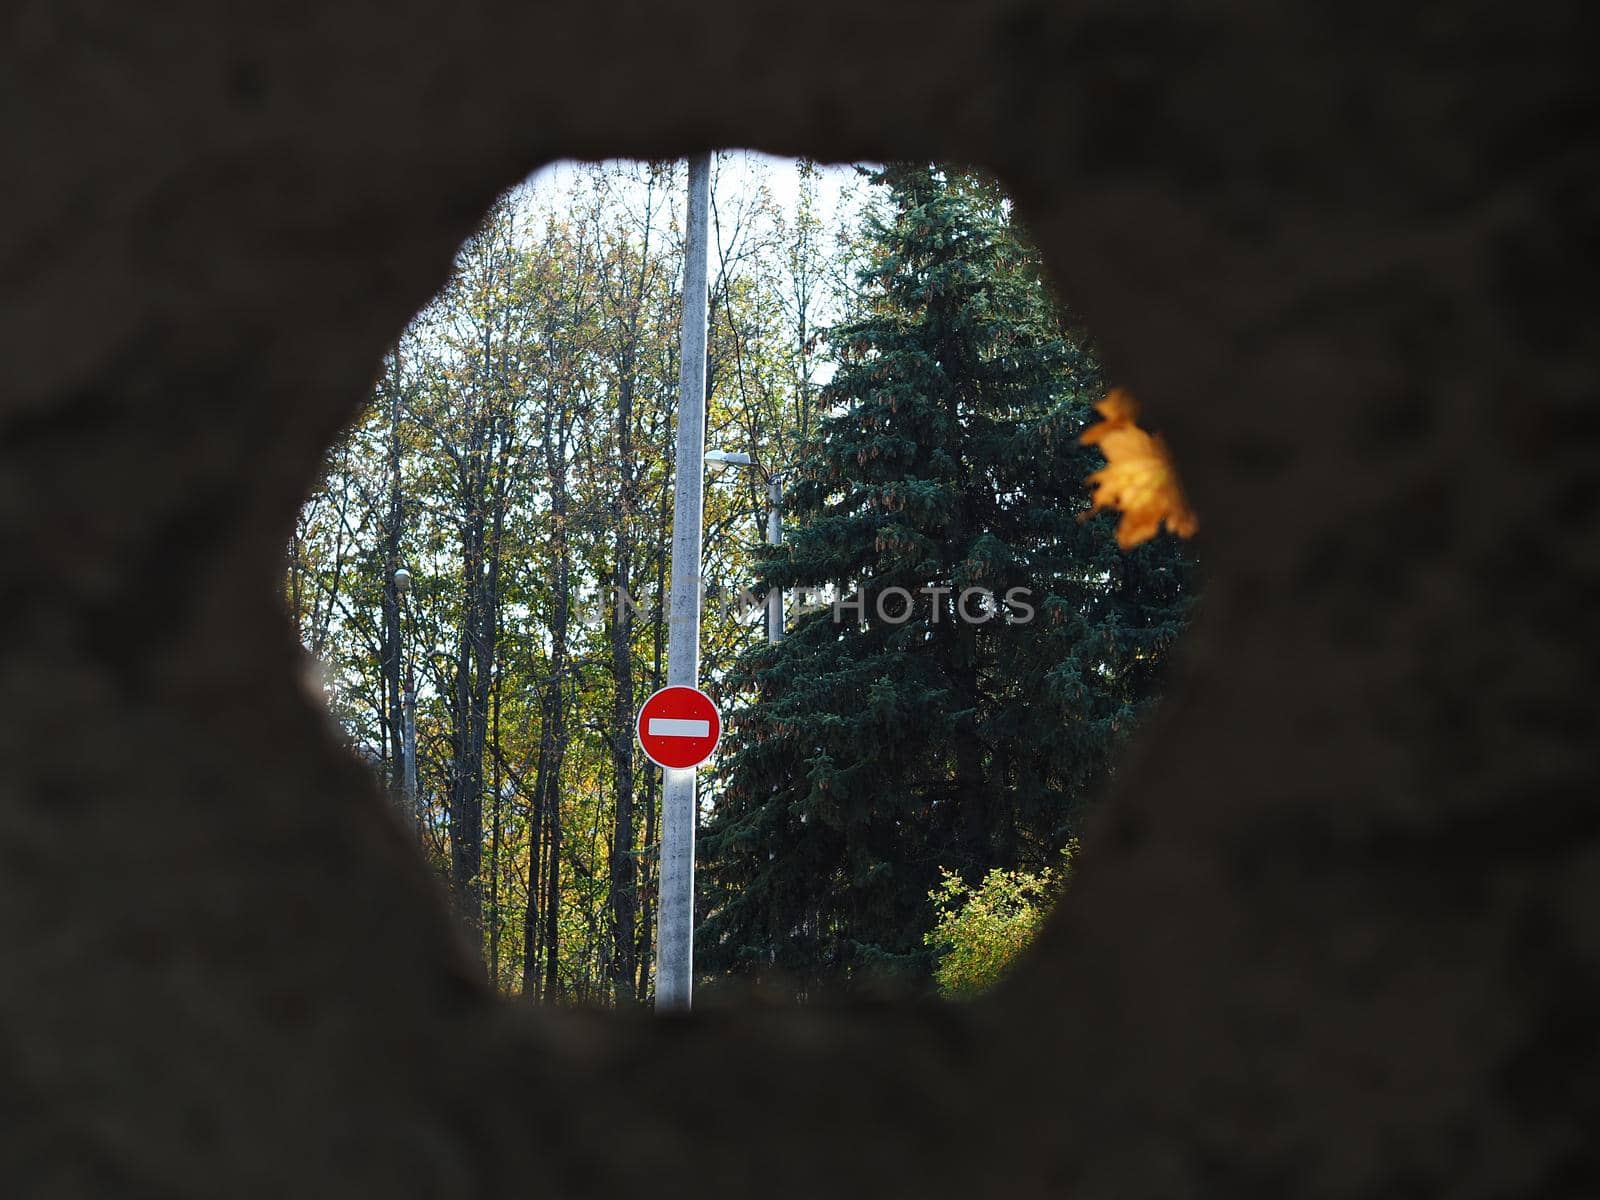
x: 897, y: 404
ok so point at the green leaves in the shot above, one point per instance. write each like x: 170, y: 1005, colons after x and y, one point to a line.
x: 981, y: 930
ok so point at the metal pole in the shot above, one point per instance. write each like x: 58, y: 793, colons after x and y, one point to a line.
x: 675, y: 915
x: 775, y: 538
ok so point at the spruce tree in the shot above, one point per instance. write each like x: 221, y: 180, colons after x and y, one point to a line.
x: 989, y: 648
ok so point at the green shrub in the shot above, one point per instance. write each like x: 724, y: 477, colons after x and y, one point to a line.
x: 979, y: 931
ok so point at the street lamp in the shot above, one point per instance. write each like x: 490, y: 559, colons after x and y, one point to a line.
x: 723, y: 460
x: 408, y: 731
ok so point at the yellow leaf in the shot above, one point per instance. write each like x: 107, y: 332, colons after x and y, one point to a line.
x: 1139, y: 479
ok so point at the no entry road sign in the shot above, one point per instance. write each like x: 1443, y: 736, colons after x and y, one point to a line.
x: 679, y: 727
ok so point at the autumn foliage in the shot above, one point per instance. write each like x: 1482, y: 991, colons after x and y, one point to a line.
x: 1139, y: 479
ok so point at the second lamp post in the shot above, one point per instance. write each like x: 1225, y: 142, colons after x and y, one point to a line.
x: 722, y: 460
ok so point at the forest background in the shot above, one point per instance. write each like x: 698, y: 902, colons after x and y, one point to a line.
x: 514, y: 472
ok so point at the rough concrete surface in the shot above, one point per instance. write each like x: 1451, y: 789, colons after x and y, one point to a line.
x: 1338, y: 931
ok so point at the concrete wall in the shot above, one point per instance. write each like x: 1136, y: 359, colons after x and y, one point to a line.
x: 1338, y: 932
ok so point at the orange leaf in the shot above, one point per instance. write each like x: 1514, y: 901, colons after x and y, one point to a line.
x: 1139, y: 479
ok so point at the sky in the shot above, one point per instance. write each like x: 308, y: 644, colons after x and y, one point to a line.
x: 736, y: 169
x: 841, y: 192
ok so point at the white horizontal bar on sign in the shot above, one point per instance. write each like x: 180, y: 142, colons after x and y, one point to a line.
x: 673, y: 727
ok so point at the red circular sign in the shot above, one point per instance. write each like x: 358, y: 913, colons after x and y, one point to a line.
x: 679, y: 727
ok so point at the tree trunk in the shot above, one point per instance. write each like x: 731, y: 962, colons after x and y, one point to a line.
x: 393, y: 722
x: 623, y: 893
x: 646, y: 954
x: 531, y: 925
x: 556, y: 711
x: 553, y: 737
x: 494, y: 844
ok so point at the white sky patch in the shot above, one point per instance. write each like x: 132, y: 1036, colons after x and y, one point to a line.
x: 737, y: 175
x: 736, y: 171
